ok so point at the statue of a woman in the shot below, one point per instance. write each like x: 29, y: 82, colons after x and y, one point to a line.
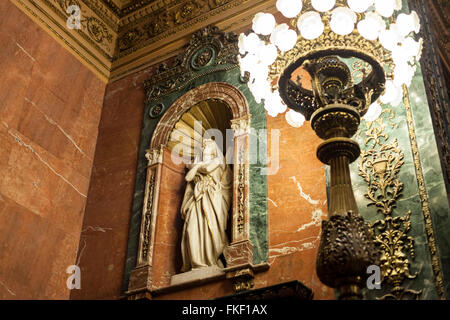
x: 205, y: 207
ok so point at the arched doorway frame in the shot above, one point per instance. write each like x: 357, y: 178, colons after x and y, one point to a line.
x: 239, y: 253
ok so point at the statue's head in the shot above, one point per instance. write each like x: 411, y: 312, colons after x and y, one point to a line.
x: 209, y: 149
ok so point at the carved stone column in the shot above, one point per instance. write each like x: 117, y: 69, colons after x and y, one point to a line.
x: 241, y: 218
x: 239, y: 253
x: 141, y: 276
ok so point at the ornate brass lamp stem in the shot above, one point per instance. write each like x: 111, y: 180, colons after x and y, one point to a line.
x: 336, y: 123
x: 334, y: 106
x: 346, y: 247
x: 341, y: 194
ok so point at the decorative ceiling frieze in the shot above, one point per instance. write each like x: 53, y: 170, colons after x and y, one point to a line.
x: 92, y: 27
x: 117, y: 37
x: 103, y: 11
x: 169, y: 20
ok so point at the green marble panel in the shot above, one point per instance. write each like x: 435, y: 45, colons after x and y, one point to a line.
x: 397, y: 128
x: 432, y: 173
x: 411, y: 199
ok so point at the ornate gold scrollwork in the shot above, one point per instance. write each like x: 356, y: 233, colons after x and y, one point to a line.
x: 96, y: 28
x: 241, y: 194
x: 148, y: 218
x: 241, y: 285
x: 379, y: 166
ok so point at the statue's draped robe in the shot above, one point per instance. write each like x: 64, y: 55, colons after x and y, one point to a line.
x: 205, y: 207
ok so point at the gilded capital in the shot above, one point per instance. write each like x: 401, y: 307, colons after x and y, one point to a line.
x: 154, y: 155
x: 241, y: 125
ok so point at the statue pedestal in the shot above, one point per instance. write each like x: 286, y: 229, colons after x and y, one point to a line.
x: 197, y: 275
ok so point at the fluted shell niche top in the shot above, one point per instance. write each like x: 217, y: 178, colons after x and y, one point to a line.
x: 207, y: 119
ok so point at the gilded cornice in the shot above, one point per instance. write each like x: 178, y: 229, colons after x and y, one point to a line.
x: 168, y: 21
x: 148, y: 41
x: 117, y: 38
x: 93, y: 28
x: 104, y: 12
x: 112, y: 7
x: 139, y: 7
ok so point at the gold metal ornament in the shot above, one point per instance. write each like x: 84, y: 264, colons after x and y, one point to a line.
x: 379, y: 166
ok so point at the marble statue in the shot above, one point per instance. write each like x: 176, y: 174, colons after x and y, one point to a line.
x: 205, y: 208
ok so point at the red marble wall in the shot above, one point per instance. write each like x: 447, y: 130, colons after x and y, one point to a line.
x: 50, y: 107
x: 297, y: 203
x: 296, y: 206
x: 104, y: 237
x: 167, y: 253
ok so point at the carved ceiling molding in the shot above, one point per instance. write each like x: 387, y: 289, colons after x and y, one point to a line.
x: 119, y: 37
x: 162, y: 34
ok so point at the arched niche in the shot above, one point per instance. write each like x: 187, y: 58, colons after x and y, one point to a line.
x: 217, y: 105
x: 207, y: 70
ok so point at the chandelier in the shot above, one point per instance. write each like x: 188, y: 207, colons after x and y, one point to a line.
x: 330, y: 24
x: 321, y: 40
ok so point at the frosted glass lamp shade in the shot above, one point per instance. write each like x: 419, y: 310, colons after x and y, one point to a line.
x: 373, y: 112
x: 259, y: 72
x: 323, y: 5
x: 241, y: 43
x: 267, y: 54
x: 403, y: 74
x: 310, y: 25
x: 248, y: 43
x: 294, y: 118
x: 273, y: 104
x: 248, y: 63
x: 390, y: 38
x: 413, y: 47
x: 289, y: 8
x: 359, y: 5
x: 342, y: 21
x: 259, y: 88
x: 408, y: 23
x: 398, y: 5
x: 407, y: 51
x: 371, y: 26
x: 393, y: 94
x: 263, y: 23
x: 385, y: 7
x: 283, y: 37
